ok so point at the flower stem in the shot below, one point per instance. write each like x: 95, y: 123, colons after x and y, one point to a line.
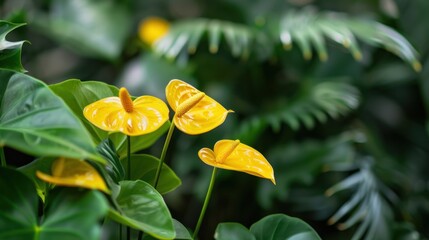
x: 2, y: 157
x: 163, y: 153
x: 129, y: 157
x: 206, y: 203
x: 129, y: 174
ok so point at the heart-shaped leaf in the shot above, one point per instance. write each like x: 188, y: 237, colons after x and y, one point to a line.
x: 233, y: 231
x: 36, y: 121
x: 78, y: 95
x: 69, y: 213
x: 10, y: 52
x: 143, y: 208
x: 181, y: 232
x: 280, y: 226
x: 144, y: 167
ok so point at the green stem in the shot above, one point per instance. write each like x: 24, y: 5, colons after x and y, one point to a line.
x: 206, y: 203
x: 129, y: 157
x: 129, y: 174
x: 2, y: 157
x: 164, y: 152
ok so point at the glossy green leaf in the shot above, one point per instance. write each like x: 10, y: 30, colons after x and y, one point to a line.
x: 181, y: 232
x: 78, y: 95
x: 87, y: 27
x: 143, y: 208
x: 144, y: 167
x: 69, y: 213
x: 233, y: 231
x: 36, y: 121
x: 10, y: 52
x: 280, y: 226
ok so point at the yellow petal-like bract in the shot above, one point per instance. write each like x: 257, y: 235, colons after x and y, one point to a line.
x: 233, y: 155
x: 74, y: 173
x: 120, y: 114
x: 196, y: 112
x: 153, y: 28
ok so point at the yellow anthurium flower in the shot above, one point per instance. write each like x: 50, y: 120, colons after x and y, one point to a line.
x: 153, y: 28
x: 143, y: 115
x: 195, y: 112
x: 233, y: 155
x: 74, y: 173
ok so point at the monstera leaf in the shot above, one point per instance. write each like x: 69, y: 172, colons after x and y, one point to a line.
x: 10, y: 52
x: 36, y: 121
x: 69, y: 213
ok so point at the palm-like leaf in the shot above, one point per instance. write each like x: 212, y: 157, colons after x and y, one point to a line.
x: 367, y: 207
x: 186, y: 35
x: 308, y: 30
x: 318, y: 103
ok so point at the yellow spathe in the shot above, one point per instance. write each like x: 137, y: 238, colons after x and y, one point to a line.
x: 234, y: 155
x: 120, y: 114
x: 195, y: 112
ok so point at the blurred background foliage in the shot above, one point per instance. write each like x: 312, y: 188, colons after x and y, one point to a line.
x: 333, y: 93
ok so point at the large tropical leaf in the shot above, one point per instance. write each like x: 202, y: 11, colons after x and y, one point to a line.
x: 316, y: 103
x: 78, y: 94
x: 36, y: 121
x: 143, y: 208
x: 308, y: 29
x: 69, y: 213
x: 87, y: 27
x: 10, y: 52
x: 186, y: 36
x: 271, y: 227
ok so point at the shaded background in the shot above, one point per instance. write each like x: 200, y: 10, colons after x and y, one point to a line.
x: 360, y: 126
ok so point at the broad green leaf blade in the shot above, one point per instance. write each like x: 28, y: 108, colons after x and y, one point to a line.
x: 114, y: 166
x: 78, y: 94
x: 87, y: 27
x: 232, y: 231
x: 36, y: 121
x: 144, y: 167
x: 143, y: 208
x: 73, y: 214
x: 181, y: 232
x: 280, y: 226
x: 10, y: 52
x: 69, y: 213
x: 18, y: 205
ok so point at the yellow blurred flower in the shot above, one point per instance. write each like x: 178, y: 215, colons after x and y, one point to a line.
x: 233, y: 155
x: 143, y: 115
x: 153, y: 28
x: 195, y: 112
x: 74, y: 173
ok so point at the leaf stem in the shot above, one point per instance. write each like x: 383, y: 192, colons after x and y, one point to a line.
x: 206, y: 203
x: 2, y: 157
x: 163, y: 153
